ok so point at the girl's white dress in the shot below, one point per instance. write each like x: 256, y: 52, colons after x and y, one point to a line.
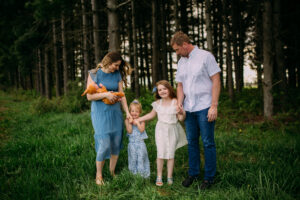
x: 169, y: 134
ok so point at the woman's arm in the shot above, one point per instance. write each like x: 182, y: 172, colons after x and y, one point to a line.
x: 98, y: 96
x: 124, y: 101
x: 128, y: 126
x: 148, y: 116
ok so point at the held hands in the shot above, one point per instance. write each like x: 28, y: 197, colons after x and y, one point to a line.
x: 212, y: 113
x: 129, y: 117
x: 179, y: 109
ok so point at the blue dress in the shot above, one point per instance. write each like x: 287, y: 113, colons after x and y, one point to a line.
x: 107, y: 119
x: 138, y: 161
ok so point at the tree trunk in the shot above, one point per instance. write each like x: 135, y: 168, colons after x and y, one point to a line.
x: 279, y: 48
x: 175, y: 13
x: 96, y: 29
x: 183, y: 16
x: 113, y: 26
x: 64, y: 54
x: 41, y: 89
x: 163, y: 42
x: 229, y: 80
x: 154, y: 43
x: 147, y: 59
x: 86, y: 61
x: 55, y: 61
x: 46, y: 74
x: 136, y: 69
x: 268, y: 61
x: 208, y: 26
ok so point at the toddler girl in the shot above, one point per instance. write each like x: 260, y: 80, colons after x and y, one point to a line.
x: 169, y: 134
x: 138, y: 161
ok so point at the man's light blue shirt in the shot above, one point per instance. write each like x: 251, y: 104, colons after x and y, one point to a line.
x: 194, y: 73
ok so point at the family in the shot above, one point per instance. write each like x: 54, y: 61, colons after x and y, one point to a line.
x: 195, y: 103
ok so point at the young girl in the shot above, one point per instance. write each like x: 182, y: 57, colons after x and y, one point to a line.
x: 138, y: 161
x: 169, y: 134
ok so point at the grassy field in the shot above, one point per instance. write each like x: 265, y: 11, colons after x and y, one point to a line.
x: 51, y: 156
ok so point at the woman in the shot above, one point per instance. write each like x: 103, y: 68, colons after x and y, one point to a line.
x: 107, y: 119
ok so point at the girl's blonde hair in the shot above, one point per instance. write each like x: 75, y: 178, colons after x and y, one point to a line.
x: 110, y: 58
x: 137, y: 104
x: 165, y: 83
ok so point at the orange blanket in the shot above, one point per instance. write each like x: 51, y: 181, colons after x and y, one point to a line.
x: 94, y: 88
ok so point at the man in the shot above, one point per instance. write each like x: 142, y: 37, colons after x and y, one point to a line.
x: 198, y: 90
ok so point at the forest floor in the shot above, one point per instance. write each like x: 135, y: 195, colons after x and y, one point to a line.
x: 51, y: 156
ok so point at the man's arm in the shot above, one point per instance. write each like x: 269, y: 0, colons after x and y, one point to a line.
x: 180, y: 97
x: 216, y: 88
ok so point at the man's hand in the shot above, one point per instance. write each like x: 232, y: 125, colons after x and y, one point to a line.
x: 212, y: 113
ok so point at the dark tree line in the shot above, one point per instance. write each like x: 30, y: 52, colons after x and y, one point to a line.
x: 45, y: 45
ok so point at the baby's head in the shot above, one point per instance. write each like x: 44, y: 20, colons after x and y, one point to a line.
x: 135, y: 109
x: 162, y: 85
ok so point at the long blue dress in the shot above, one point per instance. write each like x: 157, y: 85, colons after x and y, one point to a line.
x: 107, y: 119
x: 138, y: 161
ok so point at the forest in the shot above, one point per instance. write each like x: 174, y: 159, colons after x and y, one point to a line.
x: 46, y: 45
x: 47, y: 48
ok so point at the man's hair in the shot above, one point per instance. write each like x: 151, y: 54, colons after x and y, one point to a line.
x: 179, y: 38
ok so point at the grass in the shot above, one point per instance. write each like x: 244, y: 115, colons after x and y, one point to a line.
x: 51, y: 156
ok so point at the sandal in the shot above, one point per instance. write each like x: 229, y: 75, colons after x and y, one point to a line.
x: 170, y: 181
x: 159, y: 181
x: 99, y: 180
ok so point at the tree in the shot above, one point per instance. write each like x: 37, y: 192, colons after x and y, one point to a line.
x: 268, y: 59
x: 113, y: 26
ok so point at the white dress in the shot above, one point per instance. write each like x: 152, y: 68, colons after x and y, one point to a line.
x: 169, y: 134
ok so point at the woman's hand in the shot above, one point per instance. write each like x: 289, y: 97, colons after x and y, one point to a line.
x: 129, y: 117
x: 111, y: 97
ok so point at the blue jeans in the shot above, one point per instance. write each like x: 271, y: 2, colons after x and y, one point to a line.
x: 196, y: 124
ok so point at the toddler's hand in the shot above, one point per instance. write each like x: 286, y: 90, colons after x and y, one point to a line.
x: 130, y: 120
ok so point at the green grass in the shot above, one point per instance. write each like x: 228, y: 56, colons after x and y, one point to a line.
x: 51, y: 156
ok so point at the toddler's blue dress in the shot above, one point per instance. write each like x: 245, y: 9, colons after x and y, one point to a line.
x: 107, y: 119
x: 138, y: 161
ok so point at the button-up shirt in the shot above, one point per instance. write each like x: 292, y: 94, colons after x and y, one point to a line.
x: 194, y: 73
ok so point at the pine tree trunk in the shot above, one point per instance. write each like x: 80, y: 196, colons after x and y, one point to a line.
x: 183, y: 16
x: 113, y: 26
x: 163, y: 42
x: 40, y: 72
x: 175, y: 13
x: 147, y: 59
x: 64, y: 54
x: 268, y: 61
x: 46, y: 74
x: 229, y: 80
x: 96, y: 29
x: 154, y: 43
x: 136, y: 69
x: 55, y: 61
x: 208, y: 26
x: 279, y: 48
x: 86, y: 61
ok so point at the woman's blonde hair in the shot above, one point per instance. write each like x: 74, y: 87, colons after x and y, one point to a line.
x: 112, y: 57
x: 165, y: 83
x: 137, y: 104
